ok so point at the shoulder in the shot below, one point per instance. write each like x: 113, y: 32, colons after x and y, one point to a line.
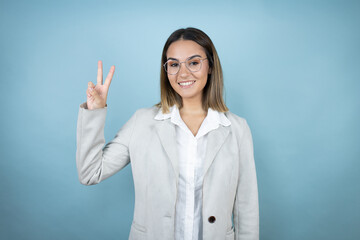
x: 239, y: 125
x: 236, y: 120
x: 143, y: 118
x: 146, y: 114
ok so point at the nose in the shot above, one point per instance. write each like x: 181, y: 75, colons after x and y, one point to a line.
x: 183, y: 71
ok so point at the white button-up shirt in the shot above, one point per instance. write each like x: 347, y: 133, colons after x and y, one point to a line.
x: 191, y: 152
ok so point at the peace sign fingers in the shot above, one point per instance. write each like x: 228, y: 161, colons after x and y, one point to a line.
x: 109, y: 76
x: 100, y: 73
x: 97, y: 95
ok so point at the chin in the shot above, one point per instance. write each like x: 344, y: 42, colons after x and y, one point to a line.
x: 188, y: 95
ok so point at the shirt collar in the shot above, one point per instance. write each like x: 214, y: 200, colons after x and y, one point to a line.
x: 213, y: 116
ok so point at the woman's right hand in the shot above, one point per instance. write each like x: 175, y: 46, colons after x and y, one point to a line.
x: 96, y: 95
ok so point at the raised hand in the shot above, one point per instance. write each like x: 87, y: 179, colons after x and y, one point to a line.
x: 96, y: 95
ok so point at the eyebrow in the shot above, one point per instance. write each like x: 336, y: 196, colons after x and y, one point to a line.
x: 193, y: 56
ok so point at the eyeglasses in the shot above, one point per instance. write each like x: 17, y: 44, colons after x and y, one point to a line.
x: 172, y: 66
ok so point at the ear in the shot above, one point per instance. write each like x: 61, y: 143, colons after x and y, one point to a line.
x: 209, y: 72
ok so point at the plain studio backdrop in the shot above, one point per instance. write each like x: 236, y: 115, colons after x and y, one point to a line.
x: 291, y: 68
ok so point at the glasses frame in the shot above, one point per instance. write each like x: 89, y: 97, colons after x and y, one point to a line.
x: 201, y: 61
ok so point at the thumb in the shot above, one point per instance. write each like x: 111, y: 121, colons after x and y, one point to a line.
x: 91, y: 85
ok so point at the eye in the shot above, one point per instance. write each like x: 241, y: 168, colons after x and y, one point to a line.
x: 194, y: 63
x: 172, y: 64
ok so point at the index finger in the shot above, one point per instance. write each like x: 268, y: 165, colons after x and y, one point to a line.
x: 100, y: 73
x: 110, y: 76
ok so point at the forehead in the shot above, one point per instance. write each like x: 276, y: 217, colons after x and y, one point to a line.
x: 182, y: 49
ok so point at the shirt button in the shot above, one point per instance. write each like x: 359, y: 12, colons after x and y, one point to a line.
x: 212, y: 219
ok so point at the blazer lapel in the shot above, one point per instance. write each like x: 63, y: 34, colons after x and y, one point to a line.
x: 216, y: 138
x: 167, y: 135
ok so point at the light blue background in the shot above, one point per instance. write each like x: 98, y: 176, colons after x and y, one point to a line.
x: 291, y: 69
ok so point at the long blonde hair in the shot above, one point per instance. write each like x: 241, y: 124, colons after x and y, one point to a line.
x: 213, y: 90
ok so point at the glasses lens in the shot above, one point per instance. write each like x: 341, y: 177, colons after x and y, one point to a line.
x: 172, y: 66
x: 194, y: 64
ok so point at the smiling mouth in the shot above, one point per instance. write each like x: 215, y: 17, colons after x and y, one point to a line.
x: 185, y: 84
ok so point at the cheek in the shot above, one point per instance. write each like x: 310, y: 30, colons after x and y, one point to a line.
x: 202, y: 75
x: 172, y: 80
x: 204, y: 71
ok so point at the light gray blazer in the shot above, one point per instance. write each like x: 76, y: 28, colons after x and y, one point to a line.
x: 229, y: 186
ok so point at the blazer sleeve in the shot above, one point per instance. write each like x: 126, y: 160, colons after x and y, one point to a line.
x: 94, y: 161
x: 246, y: 208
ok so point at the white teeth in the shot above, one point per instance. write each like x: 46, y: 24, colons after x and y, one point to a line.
x: 186, y: 83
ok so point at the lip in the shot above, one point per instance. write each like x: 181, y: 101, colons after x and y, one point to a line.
x: 187, y: 86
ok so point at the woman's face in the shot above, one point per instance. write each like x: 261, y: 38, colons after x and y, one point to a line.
x: 181, y: 50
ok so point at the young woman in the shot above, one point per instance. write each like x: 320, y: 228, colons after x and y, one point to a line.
x: 192, y: 159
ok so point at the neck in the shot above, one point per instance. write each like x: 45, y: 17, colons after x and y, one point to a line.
x: 192, y: 106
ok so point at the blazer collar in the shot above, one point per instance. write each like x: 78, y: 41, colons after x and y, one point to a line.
x: 167, y: 134
x: 213, y: 115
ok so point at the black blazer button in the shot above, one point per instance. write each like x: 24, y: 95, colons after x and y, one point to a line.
x: 212, y: 219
